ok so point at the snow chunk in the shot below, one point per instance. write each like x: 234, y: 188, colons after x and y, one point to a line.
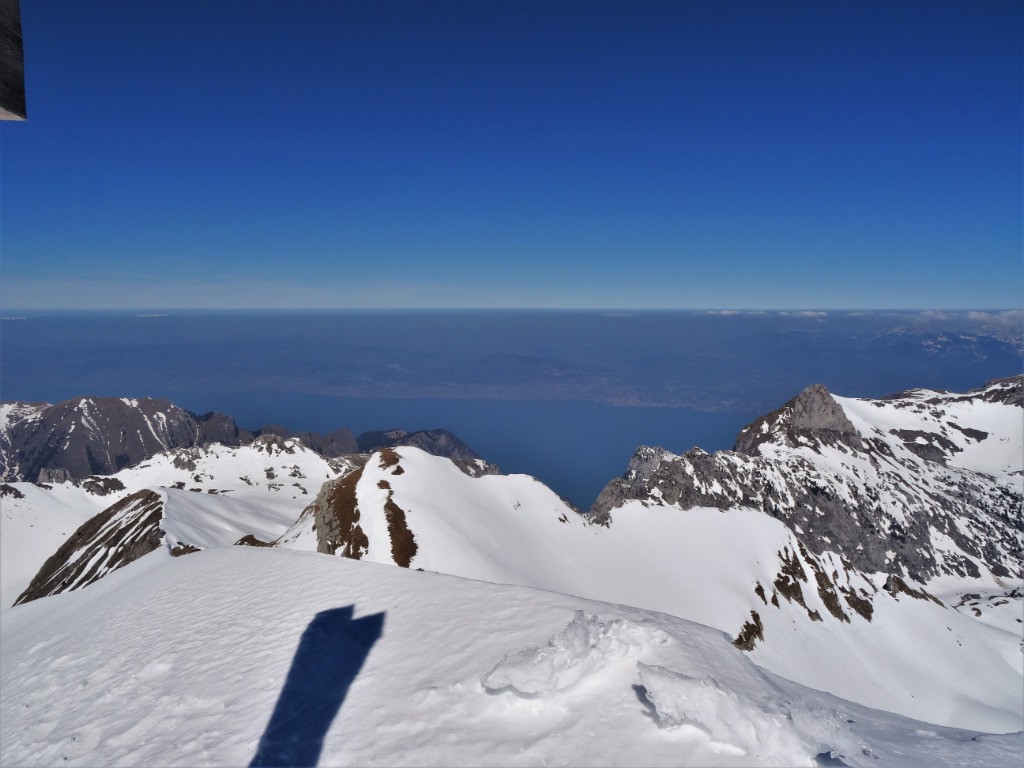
x: 583, y: 647
x: 771, y: 729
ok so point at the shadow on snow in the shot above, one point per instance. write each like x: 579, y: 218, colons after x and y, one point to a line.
x: 330, y: 655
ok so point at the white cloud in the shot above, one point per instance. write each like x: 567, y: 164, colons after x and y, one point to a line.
x: 804, y: 313
x: 1009, y: 320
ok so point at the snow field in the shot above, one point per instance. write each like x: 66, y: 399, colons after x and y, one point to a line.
x: 771, y: 729
x: 181, y: 661
x: 579, y: 650
x: 33, y: 527
x: 998, y: 454
x: 204, y: 520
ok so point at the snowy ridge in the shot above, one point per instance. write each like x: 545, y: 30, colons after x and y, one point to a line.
x: 810, y: 618
x: 166, y: 666
x: 110, y: 540
x: 210, y: 496
x: 87, y: 436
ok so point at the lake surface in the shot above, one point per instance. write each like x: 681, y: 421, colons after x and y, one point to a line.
x: 573, y: 447
x: 564, y: 396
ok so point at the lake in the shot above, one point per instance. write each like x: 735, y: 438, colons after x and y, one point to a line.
x: 565, y: 396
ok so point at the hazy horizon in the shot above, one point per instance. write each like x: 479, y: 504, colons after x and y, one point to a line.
x: 722, y: 311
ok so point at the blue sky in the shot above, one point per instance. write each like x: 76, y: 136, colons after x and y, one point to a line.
x: 670, y: 154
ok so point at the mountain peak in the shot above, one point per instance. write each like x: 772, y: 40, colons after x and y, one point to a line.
x: 813, y: 414
x: 815, y: 409
x: 870, y: 480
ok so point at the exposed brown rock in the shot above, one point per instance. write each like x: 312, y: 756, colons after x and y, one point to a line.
x: 403, y: 544
x: 388, y: 458
x: 894, y: 585
x: 827, y: 591
x: 10, y: 490
x: 787, y: 582
x: 750, y: 633
x: 336, y: 517
x: 860, y: 604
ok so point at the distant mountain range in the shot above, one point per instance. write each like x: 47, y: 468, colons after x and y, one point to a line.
x: 844, y: 543
x: 86, y: 436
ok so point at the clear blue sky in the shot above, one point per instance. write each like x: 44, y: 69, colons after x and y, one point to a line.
x: 669, y: 154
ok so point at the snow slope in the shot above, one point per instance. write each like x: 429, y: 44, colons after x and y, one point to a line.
x: 704, y: 565
x: 210, y: 494
x: 981, y: 436
x: 183, y: 662
x: 34, y: 521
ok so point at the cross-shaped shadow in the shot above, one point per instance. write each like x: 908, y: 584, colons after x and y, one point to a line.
x: 330, y: 655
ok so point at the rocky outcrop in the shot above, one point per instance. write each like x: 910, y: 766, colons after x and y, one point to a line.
x: 890, y: 500
x: 216, y: 427
x: 336, y: 518
x: 117, y: 536
x: 813, y: 414
x: 1008, y: 391
x: 332, y: 445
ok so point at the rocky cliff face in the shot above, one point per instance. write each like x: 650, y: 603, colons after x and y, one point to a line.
x: 102, y: 435
x: 813, y: 414
x: 99, y: 435
x: 916, y: 485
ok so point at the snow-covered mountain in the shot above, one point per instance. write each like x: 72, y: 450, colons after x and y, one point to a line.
x: 730, y: 570
x: 85, y: 436
x: 807, y: 551
x: 437, y: 442
x: 918, y: 485
x: 188, y: 498
x: 813, y: 608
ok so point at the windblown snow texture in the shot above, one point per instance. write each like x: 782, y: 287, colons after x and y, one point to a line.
x: 187, y: 661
